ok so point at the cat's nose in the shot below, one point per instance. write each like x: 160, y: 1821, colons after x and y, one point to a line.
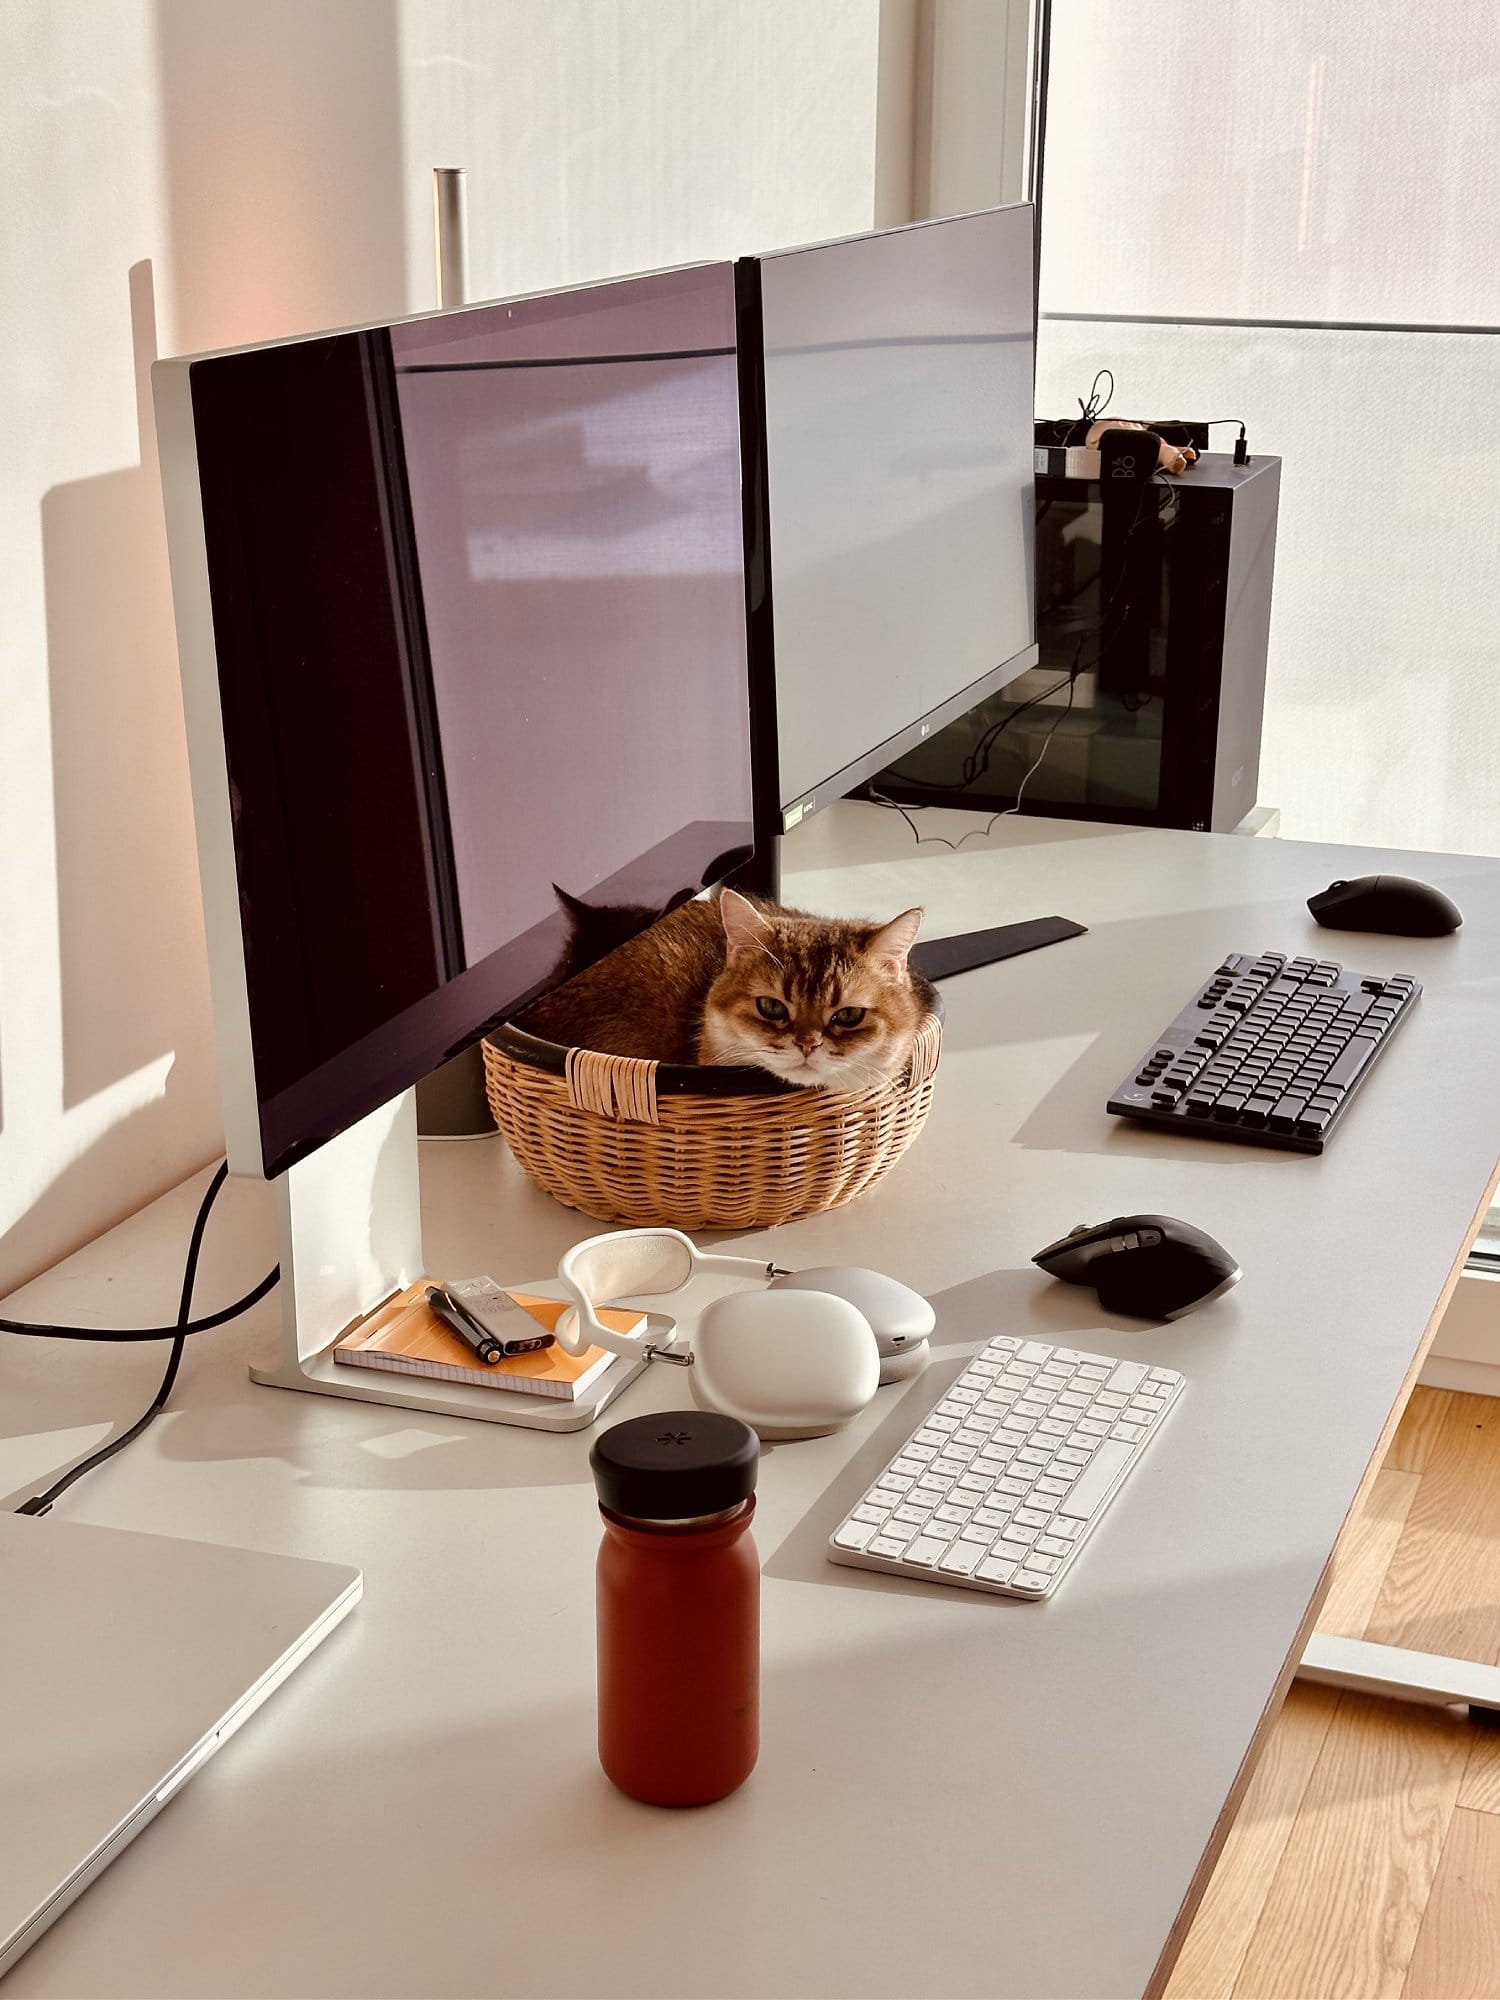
x: 807, y: 1043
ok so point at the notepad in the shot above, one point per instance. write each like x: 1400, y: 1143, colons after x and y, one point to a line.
x: 409, y: 1339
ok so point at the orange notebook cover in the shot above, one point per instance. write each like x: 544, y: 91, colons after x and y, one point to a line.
x: 409, y: 1339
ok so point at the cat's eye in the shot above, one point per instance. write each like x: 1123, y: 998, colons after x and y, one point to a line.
x: 847, y: 1017
x: 769, y: 1009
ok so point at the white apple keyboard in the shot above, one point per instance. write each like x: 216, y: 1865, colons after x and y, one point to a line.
x: 1003, y: 1482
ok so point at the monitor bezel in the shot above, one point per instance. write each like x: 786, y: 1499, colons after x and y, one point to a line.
x: 188, y: 564
x: 775, y: 812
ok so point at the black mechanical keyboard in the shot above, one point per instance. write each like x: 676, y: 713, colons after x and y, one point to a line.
x: 1269, y: 1051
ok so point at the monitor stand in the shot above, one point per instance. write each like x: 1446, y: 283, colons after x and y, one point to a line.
x: 934, y: 958
x: 350, y: 1225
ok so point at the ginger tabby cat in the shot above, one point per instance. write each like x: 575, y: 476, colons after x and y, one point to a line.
x: 820, y: 1002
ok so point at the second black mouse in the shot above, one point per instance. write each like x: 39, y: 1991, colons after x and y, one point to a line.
x: 1393, y: 904
x: 1151, y: 1266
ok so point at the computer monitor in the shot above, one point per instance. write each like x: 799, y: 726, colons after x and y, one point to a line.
x: 895, y: 494
x: 462, y: 613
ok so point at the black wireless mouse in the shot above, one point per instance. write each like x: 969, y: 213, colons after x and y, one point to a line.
x: 1390, y: 903
x: 1151, y: 1266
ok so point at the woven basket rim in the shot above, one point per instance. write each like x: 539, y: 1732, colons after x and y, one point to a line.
x: 672, y: 1079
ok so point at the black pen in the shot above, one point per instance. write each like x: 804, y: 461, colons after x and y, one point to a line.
x: 452, y: 1314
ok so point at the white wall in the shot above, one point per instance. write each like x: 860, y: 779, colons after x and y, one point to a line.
x: 264, y: 166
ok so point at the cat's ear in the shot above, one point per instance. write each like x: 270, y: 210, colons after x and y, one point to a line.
x: 573, y: 906
x: 744, y: 927
x: 894, y: 940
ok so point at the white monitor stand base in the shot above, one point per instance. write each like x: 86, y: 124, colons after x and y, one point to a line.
x: 350, y: 1224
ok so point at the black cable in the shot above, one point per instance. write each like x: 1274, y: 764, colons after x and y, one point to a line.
x: 41, y: 1503
x: 1095, y: 406
x: 220, y: 1318
x: 977, y: 762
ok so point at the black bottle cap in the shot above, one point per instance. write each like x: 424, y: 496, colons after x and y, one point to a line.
x: 676, y: 1466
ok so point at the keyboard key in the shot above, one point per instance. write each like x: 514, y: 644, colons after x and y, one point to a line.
x: 854, y: 1534
x: 1127, y: 1376
x: 883, y: 1545
x: 1031, y: 1579
x: 924, y: 1551
x: 1109, y: 1462
x: 963, y: 1558
x: 997, y: 1569
x: 1349, y: 1065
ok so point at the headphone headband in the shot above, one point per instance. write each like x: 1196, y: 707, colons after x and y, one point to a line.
x: 633, y: 1263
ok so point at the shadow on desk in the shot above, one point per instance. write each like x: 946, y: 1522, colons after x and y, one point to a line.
x: 350, y: 1446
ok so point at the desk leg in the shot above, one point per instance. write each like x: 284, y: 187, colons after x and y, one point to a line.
x: 1394, y: 1671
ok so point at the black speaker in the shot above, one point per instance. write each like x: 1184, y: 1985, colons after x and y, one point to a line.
x: 1153, y: 622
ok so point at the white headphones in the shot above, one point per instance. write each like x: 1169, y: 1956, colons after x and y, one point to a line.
x: 796, y: 1360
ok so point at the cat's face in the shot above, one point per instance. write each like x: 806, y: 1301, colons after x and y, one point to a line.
x: 816, y: 1002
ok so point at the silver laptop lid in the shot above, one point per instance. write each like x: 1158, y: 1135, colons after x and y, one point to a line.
x: 125, y: 1659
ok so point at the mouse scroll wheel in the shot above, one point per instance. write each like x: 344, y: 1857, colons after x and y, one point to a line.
x: 1082, y: 1229
x: 1150, y: 1238
x: 1338, y: 885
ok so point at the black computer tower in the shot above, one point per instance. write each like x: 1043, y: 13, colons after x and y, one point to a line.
x: 1153, y: 615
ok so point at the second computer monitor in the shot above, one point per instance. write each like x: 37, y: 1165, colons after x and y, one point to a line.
x: 898, y: 493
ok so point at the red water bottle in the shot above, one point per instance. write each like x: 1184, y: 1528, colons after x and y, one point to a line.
x: 678, y: 1595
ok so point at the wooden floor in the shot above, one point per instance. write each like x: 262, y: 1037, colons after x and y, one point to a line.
x: 1365, y: 1859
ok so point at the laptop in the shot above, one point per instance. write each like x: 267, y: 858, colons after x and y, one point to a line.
x: 125, y: 1661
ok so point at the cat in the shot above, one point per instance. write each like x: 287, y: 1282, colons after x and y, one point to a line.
x: 820, y: 1002
x: 596, y: 929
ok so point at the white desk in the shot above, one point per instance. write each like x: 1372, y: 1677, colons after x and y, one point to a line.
x: 956, y: 1794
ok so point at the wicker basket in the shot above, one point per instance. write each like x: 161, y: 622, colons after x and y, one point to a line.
x: 713, y: 1148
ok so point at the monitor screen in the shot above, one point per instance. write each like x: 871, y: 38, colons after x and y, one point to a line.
x: 478, y: 598
x: 898, y: 441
